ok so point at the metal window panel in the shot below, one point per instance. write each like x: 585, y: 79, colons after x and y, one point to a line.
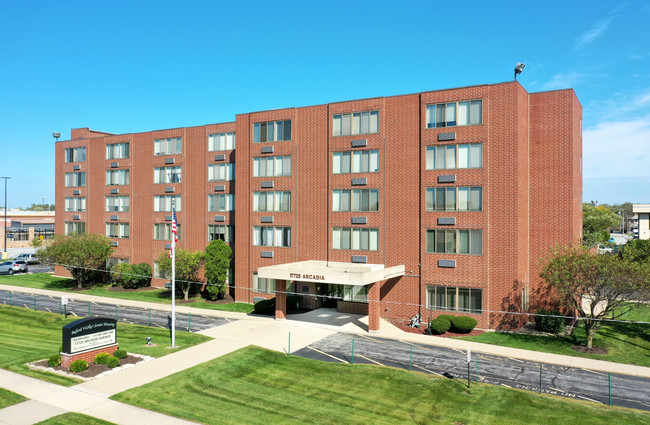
x: 443, y: 137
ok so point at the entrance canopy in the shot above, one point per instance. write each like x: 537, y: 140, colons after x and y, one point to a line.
x: 331, y: 272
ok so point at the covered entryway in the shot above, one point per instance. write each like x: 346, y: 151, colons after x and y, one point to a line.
x: 328, y: 272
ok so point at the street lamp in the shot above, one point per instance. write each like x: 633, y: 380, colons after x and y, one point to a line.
x: 518, y: 69
x: 4, y: 254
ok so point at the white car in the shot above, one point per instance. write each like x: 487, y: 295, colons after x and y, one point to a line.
x: 602, y: 249
x: 12, y: 266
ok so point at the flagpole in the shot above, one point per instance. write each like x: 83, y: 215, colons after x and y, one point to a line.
x: 173, y: 277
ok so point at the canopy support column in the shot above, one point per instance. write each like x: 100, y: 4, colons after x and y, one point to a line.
x: 280, y: 299
x: 374, y: 309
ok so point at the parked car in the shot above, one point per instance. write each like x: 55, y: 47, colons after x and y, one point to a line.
x: 13, y: 266
x: 28, y: 258
x: 602, y: 249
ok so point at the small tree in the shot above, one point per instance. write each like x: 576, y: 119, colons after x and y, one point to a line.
x: 596, y: 286
x: 82, y: 255
x: 188, y: 264
x: 595, y: 222
x: 217, y: 263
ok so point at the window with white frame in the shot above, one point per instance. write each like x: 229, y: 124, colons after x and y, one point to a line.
x: 455, y: 241
x: 225, y: 232
x: 272, y: 236
x: 75, y: 204
x: 355, y: 200
x: 117, y: 203
x: 263, y: 285
x: 272, y: 166
x: 117, y: 230
x: 164, y: 202
x: 117, y: 177
x: 356, y: 162
x: 453, y: 298
x: 117, y: 151
x: 446, y: 157
x: 221, y: 172
x: 168, y: 146
x: 272, y: 201
x: 221, y: 142
x: 272, y: 131
x: 454, y: 198
x: 366, y: 122
x: 163, y: 231
x: 75, y: 154
x: 355, y: 238
x: 75, y: 227
x: 221, y: 202
x: 167, y: 175
x: 454, y: 114
x: 75, y: 179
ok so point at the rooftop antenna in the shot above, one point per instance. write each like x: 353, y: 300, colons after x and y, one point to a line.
x: 518, y: 69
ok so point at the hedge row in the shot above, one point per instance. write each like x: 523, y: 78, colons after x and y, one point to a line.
x: 449, y: 322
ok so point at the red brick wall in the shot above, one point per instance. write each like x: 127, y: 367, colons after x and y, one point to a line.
x: 89, y: 356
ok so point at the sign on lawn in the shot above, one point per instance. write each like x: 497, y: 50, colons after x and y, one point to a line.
x: 88, y: 334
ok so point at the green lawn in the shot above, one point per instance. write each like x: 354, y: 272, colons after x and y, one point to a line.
x: 257, y: 386
x: 163, y: 296
x: 72, y: 418
x: 626, y: 343
x: 7, y: 398
x: 27, y: 336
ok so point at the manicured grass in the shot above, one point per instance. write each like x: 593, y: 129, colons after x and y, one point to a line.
x: 27, y: 336
x: 626, y: 343
x: 163, y: 296
x: 72, y: 418
x: 257, y: 386
x: 7, y: 398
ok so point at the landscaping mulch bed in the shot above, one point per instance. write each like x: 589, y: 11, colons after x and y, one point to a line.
x: 405, y: 326
x: 93, y: 369
x: 592, y: 350
x: 122, y: 289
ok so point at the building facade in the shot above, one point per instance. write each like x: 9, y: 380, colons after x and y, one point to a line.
x: 466, y: 188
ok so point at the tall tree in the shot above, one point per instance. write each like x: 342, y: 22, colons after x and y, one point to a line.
x: 596, y: 286
x: 188, y: 264
x: 637, y: 250
x: 217, y: 265
x: 595, y: 222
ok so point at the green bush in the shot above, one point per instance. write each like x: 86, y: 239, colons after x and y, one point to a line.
x: 113, y: 362
x: 544, y: 323
x: 54, y: 360
x: 131, y: 276
x: 463, y: 324
x: 439, y: 326
x: 143, y: 276
x: 265, y: 307
x: 78, y: 366
x: 102, y: 358
x: 120, y: 354
x: 449, y: 317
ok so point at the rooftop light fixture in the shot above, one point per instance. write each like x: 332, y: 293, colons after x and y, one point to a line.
x: 518, y: 69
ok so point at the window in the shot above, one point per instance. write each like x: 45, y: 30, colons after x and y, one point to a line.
x: 73, y: 227
x: 356, y: 293
x: 356, y: 162
x: 357, y: 123
x: 455, y: 241
x: 75, y: 204
x: 221, y: 202
x: 163, y: 231
x: 454, y: 198
x: 75, y: 154
x: 355, y: 200
x: 272, y: 131
x: 352, y: 238
x: 221, y: 142
x: 117, y: 177
x: 224, y: 232
x: 272, y: 166
x: 271, y: 236
x: 469, y: 300
x: 167, y: 175
x: 221, y: 172
x: 117, y: 151
x: 168, y: 146
x: 454, y: 114
x: 263, y: 285
x: 75, y: 179
x: 117, y: 203
x: 446, y: 157
x: 164, y: 202
x: 272, y: 201
x: 117, y: 230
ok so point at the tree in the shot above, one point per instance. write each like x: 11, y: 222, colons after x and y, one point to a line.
x: 131, y: 276
x: 40, y: 207
x: 595, y: 222
x: 217, y: 265
x: 81, y: 254
x: 596, y: 286
x: 637, y: 250
x: 188, y: 264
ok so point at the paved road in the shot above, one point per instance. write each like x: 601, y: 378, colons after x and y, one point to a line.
x: 628, y: 391
x: 135, y: 315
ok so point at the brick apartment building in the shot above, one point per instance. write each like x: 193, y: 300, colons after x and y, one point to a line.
x: 436, y: 201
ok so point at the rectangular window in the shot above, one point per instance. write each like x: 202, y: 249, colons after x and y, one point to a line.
x: 447, y: 157
x: 221, y: 172
x: 355, y: 200
x: 117, y: 151
x: 117, y: 203
x: 272, y: 201
x: 354, y: 238
x: 75, y: 227
x: 455, y: 241
x: 452, y: 298
x: 454, y: 199
x: 163, y: 231
x: 355, y: 162
x: 356, y: 293
x: 117, y: 177
x: 272, y: 131
x: 168, y: 146
x: 164, y: 202
x: 221, y: 142
x: 75, y: 204
x: 263, y: 285
x: 271, y: 236
x: 221, y: 202
x: 75, y: 179
x: 167, y: 175
x: 357, y: 123
x: 75, y: 154
x: 454, y: 114
x: 272, y: 166
x: 117, y: 230
x: 225, y: 232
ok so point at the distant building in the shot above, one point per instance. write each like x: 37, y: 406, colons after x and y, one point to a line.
x: 23, y: 226
x: 643, y: 211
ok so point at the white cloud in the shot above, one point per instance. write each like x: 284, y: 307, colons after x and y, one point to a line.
x: 563, y: 81
x: 592, y: 33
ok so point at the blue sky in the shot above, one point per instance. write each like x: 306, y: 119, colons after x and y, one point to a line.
x: 131, y: 66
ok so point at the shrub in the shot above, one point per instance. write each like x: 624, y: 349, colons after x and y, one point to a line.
x: 102, y: 358
x: 143, y: 274
x: 78, y: 366
x: 463, y: 324
x: 439, y: 326
x: 120, y: 354
x: 120, y: 272
x: 544, y: 323
x: 113, y: 362
x: 54, y: 360
x: 449, y: 317
x: 293, y: 302
x: 265, y: 307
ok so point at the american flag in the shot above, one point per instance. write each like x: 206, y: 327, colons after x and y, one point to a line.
x: 174, y: 232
